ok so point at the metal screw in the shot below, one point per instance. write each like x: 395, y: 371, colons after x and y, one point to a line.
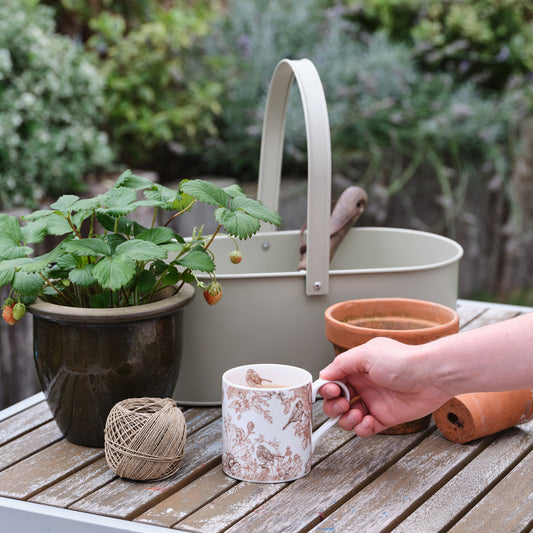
x: 317, y: 285
x: 265, y: 246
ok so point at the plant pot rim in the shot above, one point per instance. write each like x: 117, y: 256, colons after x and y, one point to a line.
x: 116, y: 315
x: 446, y: 317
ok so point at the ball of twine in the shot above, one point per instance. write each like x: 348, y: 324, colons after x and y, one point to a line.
x: 144, y: 438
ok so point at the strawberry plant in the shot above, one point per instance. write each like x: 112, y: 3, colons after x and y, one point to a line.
x: 105, y: 258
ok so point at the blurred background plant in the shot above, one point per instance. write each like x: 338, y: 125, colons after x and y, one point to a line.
x: 161, y: 96
x: 425, y: 98
x: 50, y: 107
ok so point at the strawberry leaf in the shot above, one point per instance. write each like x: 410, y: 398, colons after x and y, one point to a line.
x: 118, y: 202
x: 88, y: 247
x: 64, y: 203
x: 197, y: 259
x: 28, y: 284
x: 82, y: 276
x: 238, y: 223
x: 10, y: 228
x: 157, y: 235
x: 139, y: 250
x: 255, y: 209
x: 131, y: 181
x: 114, y: 272
x: 146, y: 281
x: 206, y: 192
x: 34, y: 232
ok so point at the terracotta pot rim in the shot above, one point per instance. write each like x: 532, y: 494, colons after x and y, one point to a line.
x: 117, y: 315
x: 419, y: 305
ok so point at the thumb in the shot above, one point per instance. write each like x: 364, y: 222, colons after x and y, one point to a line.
x: 345, y: 364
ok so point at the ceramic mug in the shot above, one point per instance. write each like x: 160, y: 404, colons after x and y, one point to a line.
x: 267, y: 432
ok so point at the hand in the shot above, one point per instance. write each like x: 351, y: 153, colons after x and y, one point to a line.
x: 394, y: 381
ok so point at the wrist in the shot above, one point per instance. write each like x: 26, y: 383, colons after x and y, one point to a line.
x: 440, y: 367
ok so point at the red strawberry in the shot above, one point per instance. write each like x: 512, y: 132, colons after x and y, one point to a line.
x: 213, y: 293
x: 235, y: 257
x: 7, y: 313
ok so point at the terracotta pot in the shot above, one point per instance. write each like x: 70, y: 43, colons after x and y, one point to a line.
x: 471, y: 416
x: 88, y: 360
x: 410, y: 321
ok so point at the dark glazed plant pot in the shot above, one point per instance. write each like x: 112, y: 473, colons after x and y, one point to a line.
x: 87, y: 360
x: 407, y: 320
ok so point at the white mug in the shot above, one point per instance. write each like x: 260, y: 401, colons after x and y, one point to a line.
x: 267, y: 422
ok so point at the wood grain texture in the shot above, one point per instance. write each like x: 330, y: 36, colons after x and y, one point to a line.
x: 23, y: 422
x: 77, y: 486
x: 401, y: 483
x: 457, y: 497
x: 127, y: 499
x: 29, y: 443
x: 189, y: 499
x: 403, y: 486
x: 42, y: 469
x: 331, y: 482
x: 490, y: 316
x: 508, y: 507
x: 247, y: 497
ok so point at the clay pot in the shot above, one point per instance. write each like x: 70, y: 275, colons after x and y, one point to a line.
x: 355, y: 322
x: 471, y: 416
x: 88, y: 360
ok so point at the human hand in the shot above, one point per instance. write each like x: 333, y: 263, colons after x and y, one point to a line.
x: 393, y: 382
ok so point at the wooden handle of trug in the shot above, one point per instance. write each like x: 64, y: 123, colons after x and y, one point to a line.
x: 349, y: 207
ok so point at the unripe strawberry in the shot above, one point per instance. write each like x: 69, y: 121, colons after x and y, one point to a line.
x: 19, y: 310
x: 235, y: 257
x: 213, y: 293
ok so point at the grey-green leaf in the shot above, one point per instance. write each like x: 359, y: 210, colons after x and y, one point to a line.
x: 88, y: 247
x: 140, y: 250
x: 114, y: 272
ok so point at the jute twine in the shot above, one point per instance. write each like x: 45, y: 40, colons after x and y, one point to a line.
x: 145, y: 438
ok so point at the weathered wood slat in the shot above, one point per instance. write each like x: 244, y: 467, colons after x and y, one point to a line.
x: 490, y: 316
x: 246, y: 497
x: 76, y: 486
x: 169, y: 511
x: 303, y: 503
x: 189, y: 499
x: 127, y: 499
x: 234, y: 504
x: 508, y: 507
x: 198, y: 418
x: 30, y: 476
x: 468, y: 312
x: 22, y: 422
x: 403, y: 486
x: 29, y: 443
x: 455, y: 498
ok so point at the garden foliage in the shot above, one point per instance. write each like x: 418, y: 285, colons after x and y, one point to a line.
x: 391, y: 119
x: 50, y: 107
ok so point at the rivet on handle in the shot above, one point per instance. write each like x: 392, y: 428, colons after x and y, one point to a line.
x: 317, y: 285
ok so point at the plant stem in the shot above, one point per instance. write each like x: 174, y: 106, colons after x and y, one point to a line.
x: 213, y: 237
x: 62, y: 294
x: 179, y: 213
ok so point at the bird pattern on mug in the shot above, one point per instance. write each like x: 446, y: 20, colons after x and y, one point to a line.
x: 261, y: 455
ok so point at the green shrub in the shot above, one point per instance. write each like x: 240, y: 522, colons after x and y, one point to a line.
x: 390, y: 119
x: 50, y: 97
x: 159, y: 97
x: 486, y: 41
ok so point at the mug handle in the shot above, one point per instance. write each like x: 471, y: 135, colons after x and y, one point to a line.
x: 332, y: 421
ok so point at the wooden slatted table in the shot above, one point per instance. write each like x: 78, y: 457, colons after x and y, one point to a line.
x: 408, y: 483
